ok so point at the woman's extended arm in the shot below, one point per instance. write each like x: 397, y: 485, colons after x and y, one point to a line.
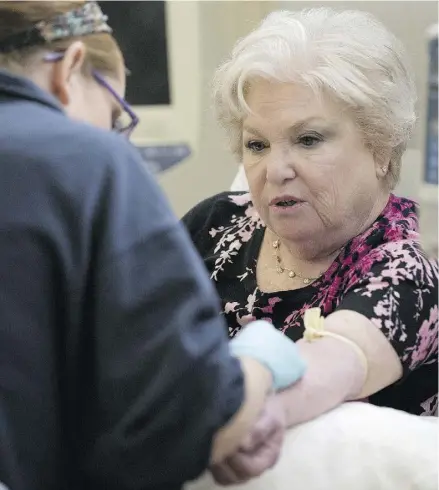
x: 269, y: 361
x: 336, y: 372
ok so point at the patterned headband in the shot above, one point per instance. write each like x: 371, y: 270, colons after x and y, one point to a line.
x: 87, y: 19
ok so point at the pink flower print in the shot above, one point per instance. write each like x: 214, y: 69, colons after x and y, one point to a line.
x: 377, y: 322
x: 368, y: 261
x: 413, y: 235
x: 388, y: 324
x: 374, y: 284
x: 251, y: 212
x: 241, y: 200
x: 225, y: 255
x: 229, y: 307
x: 251, y: 300
x: 395, y: 275
x: 393, y: 233
x: 289, y: 318
x: 235, y: 245
x: 213, y: 232
x: 382, y: 309
x: 426, y: 340
x: 245, y: 274
x: 231, y: 238
x: 271, y: 303
x: 430, y: 407
x: 386, y: 316
x: 333, y: 289
x: 360, y: 246
x: 293, y: 320
x: 245, y: 234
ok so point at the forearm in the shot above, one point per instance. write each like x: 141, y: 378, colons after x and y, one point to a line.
x: 334, y: 375
x: 270, y: 362
x: 336, y: 372
x: 258, y: 384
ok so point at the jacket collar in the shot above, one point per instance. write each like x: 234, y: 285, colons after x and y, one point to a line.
x: 16, y: 87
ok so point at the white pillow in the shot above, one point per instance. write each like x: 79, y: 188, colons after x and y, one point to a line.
x: 357, y: 446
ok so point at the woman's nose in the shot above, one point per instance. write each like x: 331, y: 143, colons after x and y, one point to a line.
x: 280, y: 167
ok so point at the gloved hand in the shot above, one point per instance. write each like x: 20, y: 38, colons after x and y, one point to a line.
x: 280, y: 355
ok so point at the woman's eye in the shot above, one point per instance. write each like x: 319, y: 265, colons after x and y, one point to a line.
x: 255, y: 146
x: 310, y: 140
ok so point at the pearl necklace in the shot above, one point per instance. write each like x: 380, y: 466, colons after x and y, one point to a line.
x: 280, y: 268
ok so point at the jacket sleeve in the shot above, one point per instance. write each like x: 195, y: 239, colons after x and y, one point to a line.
x: 163, y: 379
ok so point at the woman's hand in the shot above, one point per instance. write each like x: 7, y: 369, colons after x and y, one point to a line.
x: 259, y: 451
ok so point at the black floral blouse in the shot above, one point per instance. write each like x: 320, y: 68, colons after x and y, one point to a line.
x: 382, y: 274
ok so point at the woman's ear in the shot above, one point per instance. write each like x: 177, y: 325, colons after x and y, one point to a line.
x: 65, y: 71
x: 382, y: 171
x: 382, y: 163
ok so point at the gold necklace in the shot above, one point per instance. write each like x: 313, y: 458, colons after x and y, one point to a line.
x: 280, y: 268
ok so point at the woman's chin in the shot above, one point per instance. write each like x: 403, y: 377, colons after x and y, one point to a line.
x: 295, y: 231
x: 297, y: 220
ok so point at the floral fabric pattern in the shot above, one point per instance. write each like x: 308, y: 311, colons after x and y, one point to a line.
x: 382, y: 273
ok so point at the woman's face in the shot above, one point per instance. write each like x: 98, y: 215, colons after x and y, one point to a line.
x: 312, y: 179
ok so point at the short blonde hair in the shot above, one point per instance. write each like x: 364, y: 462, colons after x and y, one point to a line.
x: 347, y: 54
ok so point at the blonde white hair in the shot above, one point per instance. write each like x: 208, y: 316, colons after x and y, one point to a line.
x: 348, y: 55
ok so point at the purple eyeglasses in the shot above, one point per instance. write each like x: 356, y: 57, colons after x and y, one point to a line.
x: 120, y: 126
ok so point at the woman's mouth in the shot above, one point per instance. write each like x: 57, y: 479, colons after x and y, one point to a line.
x: 285, y: 204
x: 285, y: 201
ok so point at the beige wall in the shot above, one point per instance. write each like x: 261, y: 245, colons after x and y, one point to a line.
x: 211, y: 169
x: 215, y: 26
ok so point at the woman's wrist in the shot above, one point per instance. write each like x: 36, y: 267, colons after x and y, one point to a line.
x: 269, y: 361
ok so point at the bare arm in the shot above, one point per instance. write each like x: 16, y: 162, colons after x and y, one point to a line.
x: 335, y: 372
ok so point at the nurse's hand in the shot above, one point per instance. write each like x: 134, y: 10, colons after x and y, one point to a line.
x: 259, y: 451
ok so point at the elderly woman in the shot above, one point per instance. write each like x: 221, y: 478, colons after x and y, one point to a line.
x: 319, y: 107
